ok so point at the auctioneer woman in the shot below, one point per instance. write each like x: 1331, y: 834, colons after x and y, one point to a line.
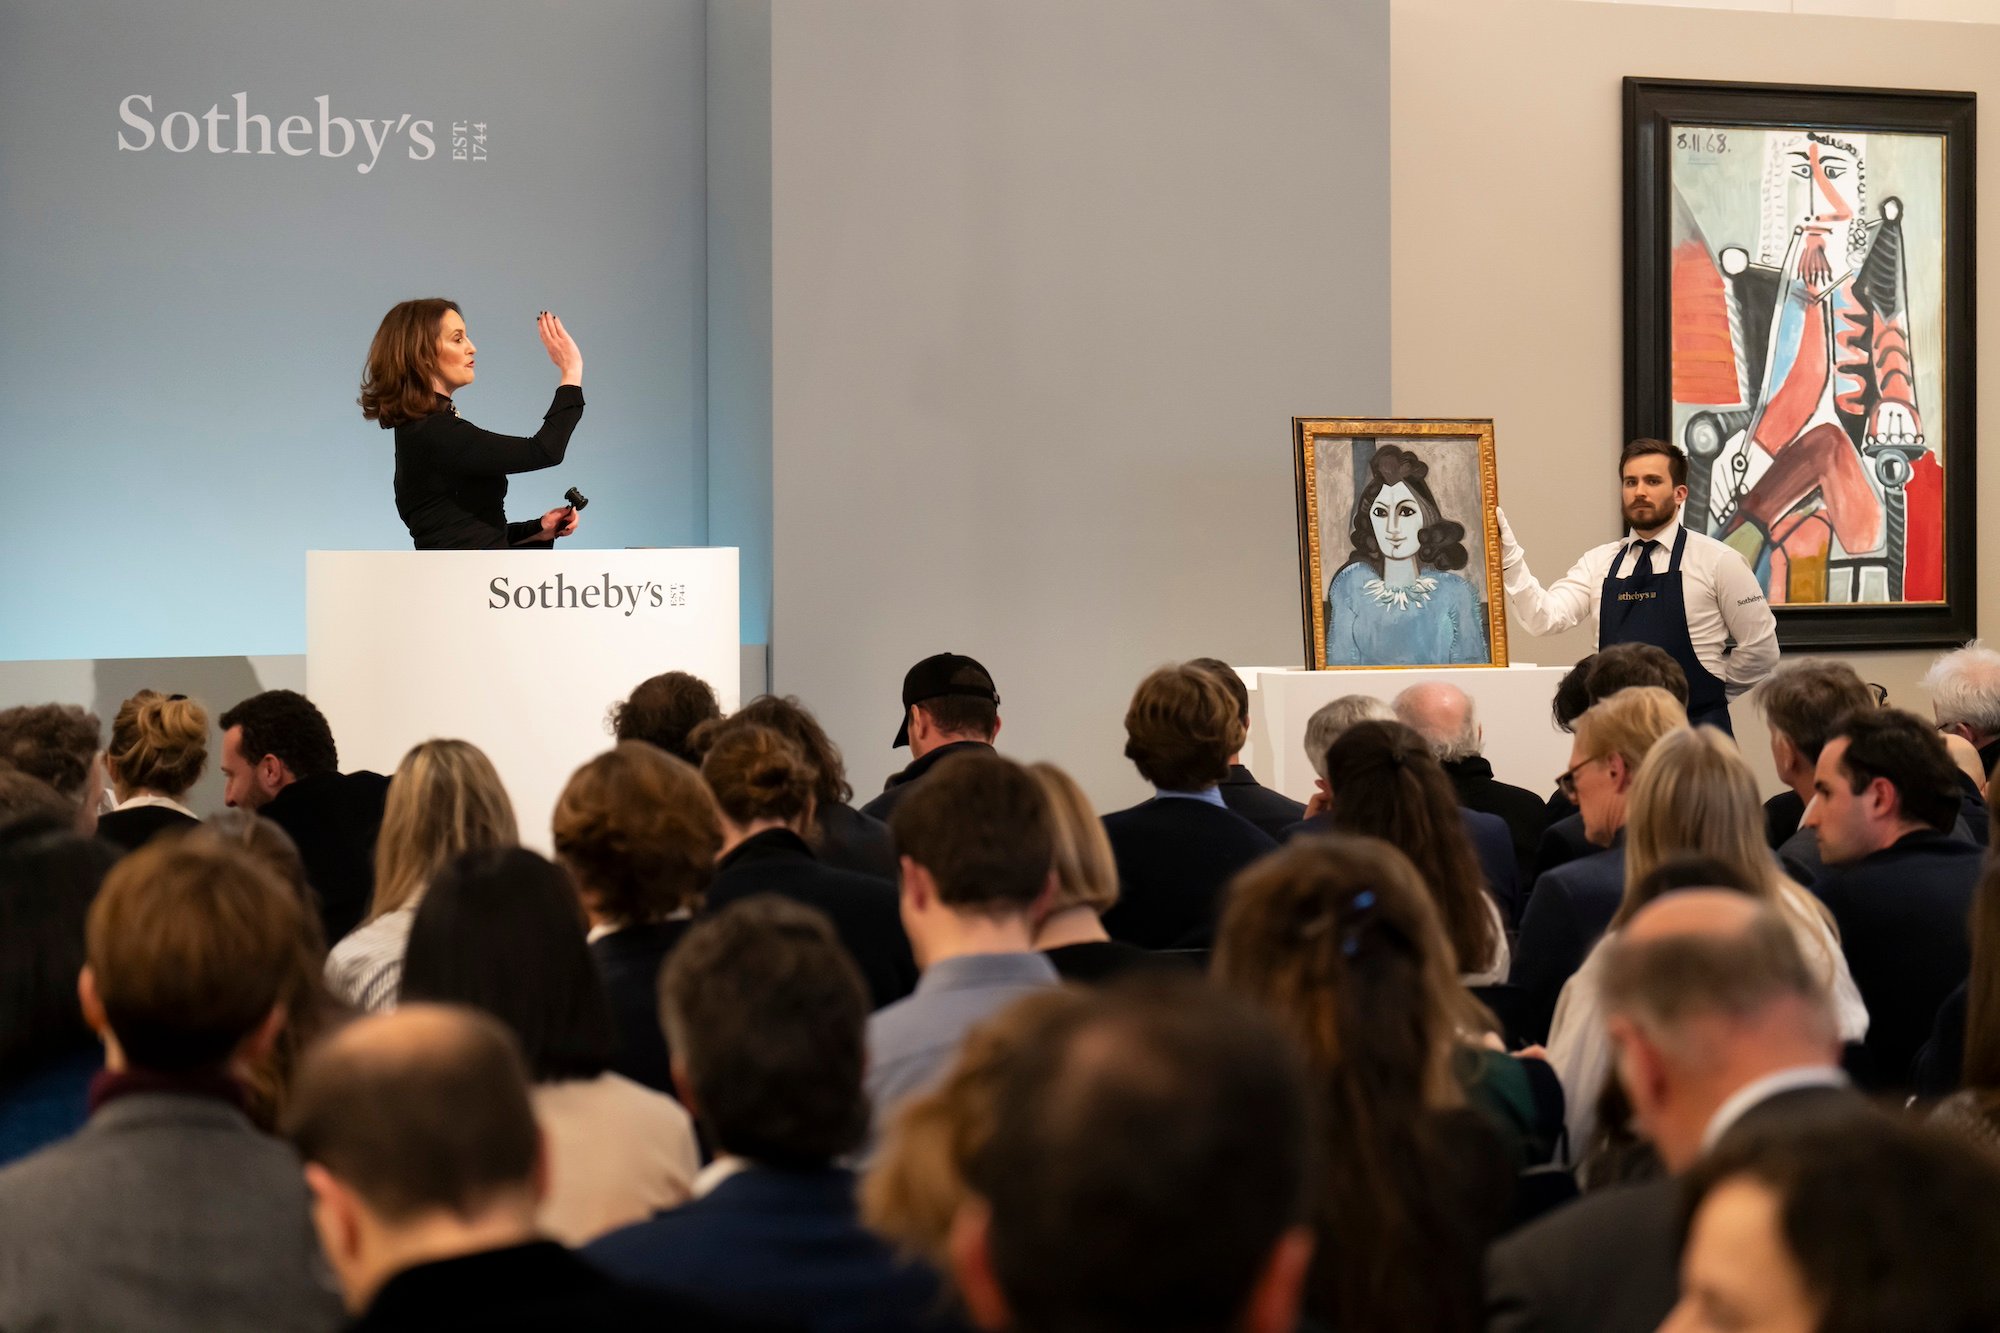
x: 451, y: 476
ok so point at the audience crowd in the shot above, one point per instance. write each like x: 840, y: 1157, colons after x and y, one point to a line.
x: 1643, y: 1050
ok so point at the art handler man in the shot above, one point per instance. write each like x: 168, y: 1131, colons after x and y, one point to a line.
x: 1680, y: 591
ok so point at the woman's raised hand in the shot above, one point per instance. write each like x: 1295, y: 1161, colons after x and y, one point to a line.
x: 561, y: 347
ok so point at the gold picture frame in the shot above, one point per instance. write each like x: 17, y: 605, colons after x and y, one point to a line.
x: 1436, y: 598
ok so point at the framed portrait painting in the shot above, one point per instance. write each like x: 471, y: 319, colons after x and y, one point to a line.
x: 1399, y: 545
x: 1799, y: 319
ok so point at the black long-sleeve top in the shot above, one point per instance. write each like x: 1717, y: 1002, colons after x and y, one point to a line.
x: 451, y: 476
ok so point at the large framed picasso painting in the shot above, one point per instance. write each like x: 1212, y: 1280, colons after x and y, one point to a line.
x: 1799, y: 318
x: 1399, y: 543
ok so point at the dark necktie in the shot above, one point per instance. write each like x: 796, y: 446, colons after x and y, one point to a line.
x: 1645, y: 562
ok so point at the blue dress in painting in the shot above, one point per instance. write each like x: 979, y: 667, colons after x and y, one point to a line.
x: 1432, y: 622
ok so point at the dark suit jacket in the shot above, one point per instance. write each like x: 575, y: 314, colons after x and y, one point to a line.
x: 1902, y: 915
x: 782, y: 1246
x: 899, y: 784
x: 629, y: 959
x: 134, y: 828
x: 1567, y: 912
x: 1271, y: 811
x: 1608, y: 1262
x: 864, y: 911
x: 1782, y: 814
x: 1525, y: 813
x: 333, y: 819
x: 535, y: 1287
x: 1562, y: 841
x: 1175, y: 857
x: 165, y: 1212
x: 846, y: 839
x: 1939, y: 1068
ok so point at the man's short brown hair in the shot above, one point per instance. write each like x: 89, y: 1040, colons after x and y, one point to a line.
x: 1805, y: 701
x: 1181, y: 728
x: 53, y: 742
x: 417, y: 1110
x: 192, y: 944
x: 1624, y: 665
x: 1677, y: 459
x: 664, y: 711
x: 767, y: 1013
x: 980, y: 825
x: 639, y: 830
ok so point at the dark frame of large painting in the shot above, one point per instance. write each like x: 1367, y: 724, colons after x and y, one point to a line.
x: 1821, y: 360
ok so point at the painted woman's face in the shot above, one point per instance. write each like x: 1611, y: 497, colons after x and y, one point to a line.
x: 1397, y: 520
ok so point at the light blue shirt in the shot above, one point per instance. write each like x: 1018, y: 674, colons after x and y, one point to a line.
x: 1212, y: 795
x: 911, y: 1042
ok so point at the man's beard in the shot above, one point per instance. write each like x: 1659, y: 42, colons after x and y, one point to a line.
x: 1655, y: 518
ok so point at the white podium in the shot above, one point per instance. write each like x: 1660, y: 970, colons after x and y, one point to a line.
x: 520, y: 652
x: 1512, y: 704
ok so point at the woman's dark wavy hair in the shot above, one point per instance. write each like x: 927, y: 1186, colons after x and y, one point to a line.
x: 1440, y: 542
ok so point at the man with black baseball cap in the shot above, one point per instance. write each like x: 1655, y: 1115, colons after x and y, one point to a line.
x: 949, y: 705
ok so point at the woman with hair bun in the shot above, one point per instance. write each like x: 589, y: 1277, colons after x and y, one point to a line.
x: 159, y: 746
x: 764, y: 785
x: 1396, y: 601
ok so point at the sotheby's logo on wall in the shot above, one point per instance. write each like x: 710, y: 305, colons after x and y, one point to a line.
x: 231, y: 127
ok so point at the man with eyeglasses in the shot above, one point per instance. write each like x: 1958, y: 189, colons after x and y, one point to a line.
x: 1572, y: 904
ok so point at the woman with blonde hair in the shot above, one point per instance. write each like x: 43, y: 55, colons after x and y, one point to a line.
x: 444, y: 799
x: 1072, y: 936
x: 159, y: 746
x: 1693, y: 794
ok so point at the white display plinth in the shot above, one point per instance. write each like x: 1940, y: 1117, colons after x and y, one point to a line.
x: 519, y: 652
x: 1522, y: 742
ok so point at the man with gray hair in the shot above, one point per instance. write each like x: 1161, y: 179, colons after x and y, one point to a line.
x: 1445, y: 717
x: 1720, y: 1021
x: 1964, y: 686
x: 1491, y: 838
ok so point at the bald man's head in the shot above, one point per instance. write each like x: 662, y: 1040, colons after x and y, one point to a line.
x: 418, y: 1110
x: 1712, y: 956
x: 1443, y: 715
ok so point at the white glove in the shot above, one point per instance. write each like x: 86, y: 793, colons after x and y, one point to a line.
x: 1511, y: 553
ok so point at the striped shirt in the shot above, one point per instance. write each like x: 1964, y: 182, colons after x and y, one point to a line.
x: 366, y: 968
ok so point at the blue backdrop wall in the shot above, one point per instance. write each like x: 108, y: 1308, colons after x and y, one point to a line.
x: 205, y: 210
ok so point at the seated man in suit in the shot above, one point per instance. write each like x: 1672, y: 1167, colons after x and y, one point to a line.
x: 1572, y: 904
x: 1444, y: 716
x: 1801, y: 702
x: 1618, y: 667
x: 1148, y: 1169
x: 1719, y: 1020
x: 1274, y: 812
x: 279, y: 760
x: 1177, y: 852
x: 978, y: 849
x: 60, y: 744
x: 1885, y: 795
x: 426, y: 1169
x: 168, y: 1210
x: 949, y: 706
x: 763, y: 786
x: 768, y: 1015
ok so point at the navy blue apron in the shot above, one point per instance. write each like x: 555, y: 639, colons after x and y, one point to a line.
x: 1650, y: 607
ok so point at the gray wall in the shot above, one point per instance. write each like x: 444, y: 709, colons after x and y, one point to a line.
x: 1049, y: 281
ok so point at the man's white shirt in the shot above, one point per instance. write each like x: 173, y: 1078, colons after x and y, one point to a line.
x: 1724, y: 599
